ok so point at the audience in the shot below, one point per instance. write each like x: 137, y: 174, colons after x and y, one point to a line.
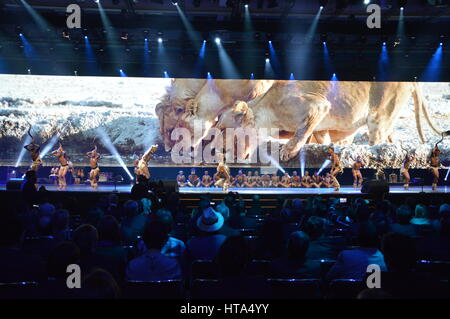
x: 153, y: 265
x: 353, y: 263
x: 153, y: 237
x: 295, y: 263
x: 403, y: 224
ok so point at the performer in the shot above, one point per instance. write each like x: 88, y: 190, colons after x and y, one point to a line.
x: 239, y: 180
x: 257, y: 179
x: 222, y: 176
x: 181, y: 179
x: 435, y: 163
x: 53, y: 175
x: 336, y: 167
x: 248, y: 180
x: 306, y: 180
x: 265, y: 181
x: 404, y: 170
x: 142, y: 166
x: 316, y: 180
x: 193, y: 180
x: 94, y: 156
x: 206, y: 180
x: 357, y: 176
x: 275, y: 181
x: 34, y: 149
x: 64, y: 166
x: 296, y: 180
x: 328, y: 181
x: 285, y: 181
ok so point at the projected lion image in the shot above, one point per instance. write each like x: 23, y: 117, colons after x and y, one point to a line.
x: 367, y: 119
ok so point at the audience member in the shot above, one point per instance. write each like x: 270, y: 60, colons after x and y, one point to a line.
x: 153, y: 265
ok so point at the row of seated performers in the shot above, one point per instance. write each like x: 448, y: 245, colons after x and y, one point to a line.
x: 257, y: 180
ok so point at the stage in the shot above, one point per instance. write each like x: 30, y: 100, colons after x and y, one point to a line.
x: 345, y: 190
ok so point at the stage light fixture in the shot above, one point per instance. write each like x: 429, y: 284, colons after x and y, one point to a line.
x: 246, y: 6
x: 160, y: 40
x: 366, y: 1
x: 217, y: 40
x: 267, y: 60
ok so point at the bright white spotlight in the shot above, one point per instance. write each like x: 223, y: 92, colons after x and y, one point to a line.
x: 106, y: 141
x: 384, y: 43
x: 246, y: 6
x: 267, y: 60
x: 302, y: 162
x: 270, y: 41
x: 23, y: 150
x: 401, y: 8
x: 441, y: 44
x: 321, y: 7
x: 324, y: 43
x: 366, y: 1
x: 324, y: 165
x: 160, y: 40
x: 97, y: 1
x: 217, y: 40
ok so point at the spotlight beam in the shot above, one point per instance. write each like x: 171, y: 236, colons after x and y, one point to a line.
x: 324, y: 165
x: 106, y: 141
x: 23, y: 150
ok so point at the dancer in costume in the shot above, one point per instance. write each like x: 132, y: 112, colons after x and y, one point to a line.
x: 34, y: 149
x: 193, y: 180
x: 222, y: 176
x: 142, y: 165
x: 206, y: 180
x: 435, y: 163
x: 404, y: 170
x: 94, y: 156
x: 296, y: 180
x: 336, y: 167
x: 356, y: 171
x: 64, y: 166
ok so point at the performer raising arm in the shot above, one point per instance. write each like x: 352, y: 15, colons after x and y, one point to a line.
x: 142, y: 167
x: 34, y: 149
x: 222, y: 177
x: 64, y: 165
x: 435, y: 163
x: 94, y: 156
x: 336, y: 167
x: 357, y: 176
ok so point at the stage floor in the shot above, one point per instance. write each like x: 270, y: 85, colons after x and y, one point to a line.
x: 345, y: 190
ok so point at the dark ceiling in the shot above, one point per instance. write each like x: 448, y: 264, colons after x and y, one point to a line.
x: 353, y: 47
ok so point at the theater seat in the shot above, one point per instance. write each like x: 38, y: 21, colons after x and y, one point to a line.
x: 325, y: 266
x: 258, y: 268
x: 345, y: 288
x: 295, y: 288
x: 19, y: 290
x: 439, y: 269
x: 204, y: 288
x: 204, y: 269
x: 160, y: 289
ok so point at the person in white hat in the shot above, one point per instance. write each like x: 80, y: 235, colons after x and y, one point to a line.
x: 207, y: 243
